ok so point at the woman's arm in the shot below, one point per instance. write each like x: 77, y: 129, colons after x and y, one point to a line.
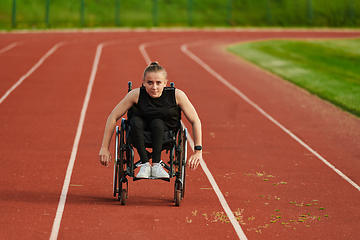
x: 129, y: 100
x: 191, y: 114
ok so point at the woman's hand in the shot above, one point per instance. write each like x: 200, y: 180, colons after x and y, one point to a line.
x: 105, y: 156
x: 194, y: 160
x: 129, y: 100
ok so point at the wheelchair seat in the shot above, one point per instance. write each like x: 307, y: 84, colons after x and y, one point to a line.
x: 169, y: 138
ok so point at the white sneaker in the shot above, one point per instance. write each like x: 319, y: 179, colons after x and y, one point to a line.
x: 158, y: 171
x: 144, y: 171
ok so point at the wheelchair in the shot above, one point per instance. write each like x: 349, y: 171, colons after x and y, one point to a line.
x: 175, y: 144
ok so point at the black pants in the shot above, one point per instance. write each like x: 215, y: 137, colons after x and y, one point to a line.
x: 156, y: 127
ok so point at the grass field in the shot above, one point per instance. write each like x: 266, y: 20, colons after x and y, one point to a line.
x: 329, y: 69
x: 179, y: 13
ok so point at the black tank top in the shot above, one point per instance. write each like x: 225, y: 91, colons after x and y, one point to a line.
x: 164, y: 107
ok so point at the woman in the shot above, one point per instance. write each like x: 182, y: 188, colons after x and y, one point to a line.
x: 159, y: 110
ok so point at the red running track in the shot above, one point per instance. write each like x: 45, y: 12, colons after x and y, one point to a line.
x: 274, y: 186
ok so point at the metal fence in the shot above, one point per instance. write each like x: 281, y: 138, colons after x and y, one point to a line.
x: 170, y: 13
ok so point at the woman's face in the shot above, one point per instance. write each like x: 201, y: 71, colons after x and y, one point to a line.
x: 154, y: 83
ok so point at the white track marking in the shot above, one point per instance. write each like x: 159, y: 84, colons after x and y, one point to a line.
x: 207, y: 172
x: 144, y: 53
x: 61, y: 205
x: 65, y: 189
x: 220, y: 196
x: 143, y: 46
x: 42, y: 59
x: 10, y: 47
x: 243, y: 96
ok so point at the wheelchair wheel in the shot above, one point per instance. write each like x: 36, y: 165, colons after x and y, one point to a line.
x: 177, y: 193
x: 123, y: 182
x: 179, y: 189
x: 115, y: 177
x: 123, y: 196
x: 120, y: 165
x: 184, y: 159
x: 178, y: 198
x: 116, y: 165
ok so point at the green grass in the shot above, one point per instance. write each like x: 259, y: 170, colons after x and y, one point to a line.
x: 183, y: 13
x: 328, y: 69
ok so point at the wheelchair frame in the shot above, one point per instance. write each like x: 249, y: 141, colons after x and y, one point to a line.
x: 124, y: 165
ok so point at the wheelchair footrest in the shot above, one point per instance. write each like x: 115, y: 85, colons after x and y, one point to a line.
x: 151, y: 178
x: 165, y: 165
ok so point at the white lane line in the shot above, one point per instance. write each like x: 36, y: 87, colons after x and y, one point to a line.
x: 207, y: 172
x: 10, y: 47
x: 37, y: 65
x: 220, y: 196
x: 143, y: 46
x: 144, y: 53
x: 61, y: 205
x: 185, y: 49
x: 65, y: 189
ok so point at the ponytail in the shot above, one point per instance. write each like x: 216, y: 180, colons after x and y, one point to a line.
x: 154, y: 67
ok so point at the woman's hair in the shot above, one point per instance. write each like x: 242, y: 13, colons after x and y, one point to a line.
x: 154, y: 67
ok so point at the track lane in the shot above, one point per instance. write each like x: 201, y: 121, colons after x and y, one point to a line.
x: 37, y: 121
x: 20, y: 60
x: 27, y: 53
x: 65, y: 189
x: 32, y: 69
x: 148, y: 204
x: 228, y: 212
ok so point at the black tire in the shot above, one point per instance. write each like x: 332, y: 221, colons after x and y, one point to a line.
x: 115, y: 173
x: 176, y: 187
x: 121, y: 154
x: 177, y: 198
x: 181, y: 159
x: 184, y: 159
x: 183, y: 183
x: 123, y: 196
x: 121, y: 165
x: 116, y: 170
x: 177, y: 193
x: 120, y: 179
